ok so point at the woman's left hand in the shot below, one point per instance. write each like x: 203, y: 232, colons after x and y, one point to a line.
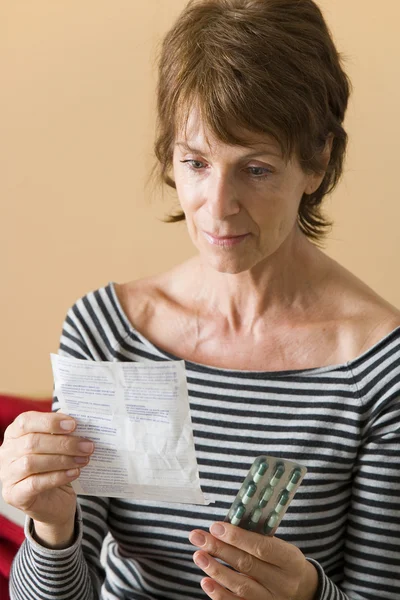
x: 266, y: 568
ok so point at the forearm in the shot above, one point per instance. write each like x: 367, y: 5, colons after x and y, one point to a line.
x: 326, y: 589
x: 55, y: 538
x: 39, y: 570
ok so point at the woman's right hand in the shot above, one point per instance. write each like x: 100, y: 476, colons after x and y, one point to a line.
x: 38, y: 460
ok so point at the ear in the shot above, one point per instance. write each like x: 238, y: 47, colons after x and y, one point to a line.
x: 316, y: 180
x: 326, y: 154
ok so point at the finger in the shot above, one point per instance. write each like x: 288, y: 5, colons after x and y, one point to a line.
x: 39, y: 422
x: 23, y: 494
x: 33, y: 464
x: 214, y: 590
x: 46, y: 443
x: 266, y: 548
x: 238, y: 584
x: 241, y: 561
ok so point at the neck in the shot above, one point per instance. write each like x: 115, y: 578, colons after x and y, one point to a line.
x: 286, y: 285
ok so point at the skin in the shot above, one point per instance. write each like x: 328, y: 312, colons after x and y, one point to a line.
x: 38, y: 461
x: 230, y: 197
x: 274, y: 276
x: 223, y: 191
x: 233, y: 190
x: 266, y: 568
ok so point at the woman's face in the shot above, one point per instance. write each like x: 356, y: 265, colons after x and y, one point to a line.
x: 244, y: 191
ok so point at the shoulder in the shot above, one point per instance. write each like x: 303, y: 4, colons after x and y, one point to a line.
x: 141, y: 300
x: 139, y: 293
x: 148, y: 297
x: 93, y: 311
x: 156, y: 308
x: 364, y: 316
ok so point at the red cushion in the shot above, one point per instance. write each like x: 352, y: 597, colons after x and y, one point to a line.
x: 12, y: 406
x: 12, y: 535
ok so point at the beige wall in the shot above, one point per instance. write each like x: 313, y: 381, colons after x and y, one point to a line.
x: 77, y: 123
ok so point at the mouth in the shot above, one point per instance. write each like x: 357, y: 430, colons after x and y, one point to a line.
x: 225, y: 240
x: 225, y: 237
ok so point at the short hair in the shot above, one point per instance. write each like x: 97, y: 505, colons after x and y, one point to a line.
x: 269, y: 66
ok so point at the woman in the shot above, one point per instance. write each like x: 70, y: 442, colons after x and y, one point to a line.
x: 286, y: 352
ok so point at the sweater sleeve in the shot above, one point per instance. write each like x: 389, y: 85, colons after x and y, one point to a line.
x: 372, y: 547
x: 76, y: 572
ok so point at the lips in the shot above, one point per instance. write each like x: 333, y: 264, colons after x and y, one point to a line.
x: 226, y: 241
x: 225, y: 237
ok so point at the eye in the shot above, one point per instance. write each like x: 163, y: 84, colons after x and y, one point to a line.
x: 255, y: 172
x: 259, y: 172
x: 196, y: 165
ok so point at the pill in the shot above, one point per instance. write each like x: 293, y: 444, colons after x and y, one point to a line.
x: 251, y: 490
x: 238, y: 515
x: 262, y: 469
x: 294, y: 479
x: 255, y: 517
x: 279, y: 471
x: 271, y: 522
x: 266, y: 495
x: 282, y: 501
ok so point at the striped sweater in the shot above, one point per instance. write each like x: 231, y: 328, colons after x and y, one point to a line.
x: 340, y: 421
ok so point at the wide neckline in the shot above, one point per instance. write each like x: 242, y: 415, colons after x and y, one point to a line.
x: 204, y: 367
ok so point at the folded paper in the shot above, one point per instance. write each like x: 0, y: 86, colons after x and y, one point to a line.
x: 138, y: 417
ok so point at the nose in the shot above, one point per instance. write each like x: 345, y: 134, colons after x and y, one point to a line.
x: 221, y: 199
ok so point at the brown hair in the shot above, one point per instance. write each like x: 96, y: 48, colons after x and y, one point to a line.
x: 269, y: 66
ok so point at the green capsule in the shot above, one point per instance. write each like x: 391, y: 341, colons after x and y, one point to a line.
x: 237, y: 517
x: 271, y: 522
x: 256, y: 515
x: 279, y: 471
x: 262, y: 469
x: 266, y: 495
x: 282, y: 501
x: 251, y: 490
x: 294, y: 479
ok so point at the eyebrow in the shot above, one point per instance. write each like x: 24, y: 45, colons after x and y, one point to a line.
x: 260, y: 152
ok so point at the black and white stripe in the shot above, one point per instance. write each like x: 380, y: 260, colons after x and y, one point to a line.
x: 341, y: 422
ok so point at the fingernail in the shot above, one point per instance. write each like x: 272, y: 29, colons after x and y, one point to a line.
x: 81, y: 459
x: 201, y: 561
x: 72, y: 472
x: 85, y: 446
x: 217, y: 529
x: 67, y: 425
x: 207, y: 586
x: 197, y: 539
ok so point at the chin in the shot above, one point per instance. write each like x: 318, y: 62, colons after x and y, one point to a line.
x: 230, y: 267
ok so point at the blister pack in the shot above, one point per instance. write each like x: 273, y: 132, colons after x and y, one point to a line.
x: 265, y: 494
